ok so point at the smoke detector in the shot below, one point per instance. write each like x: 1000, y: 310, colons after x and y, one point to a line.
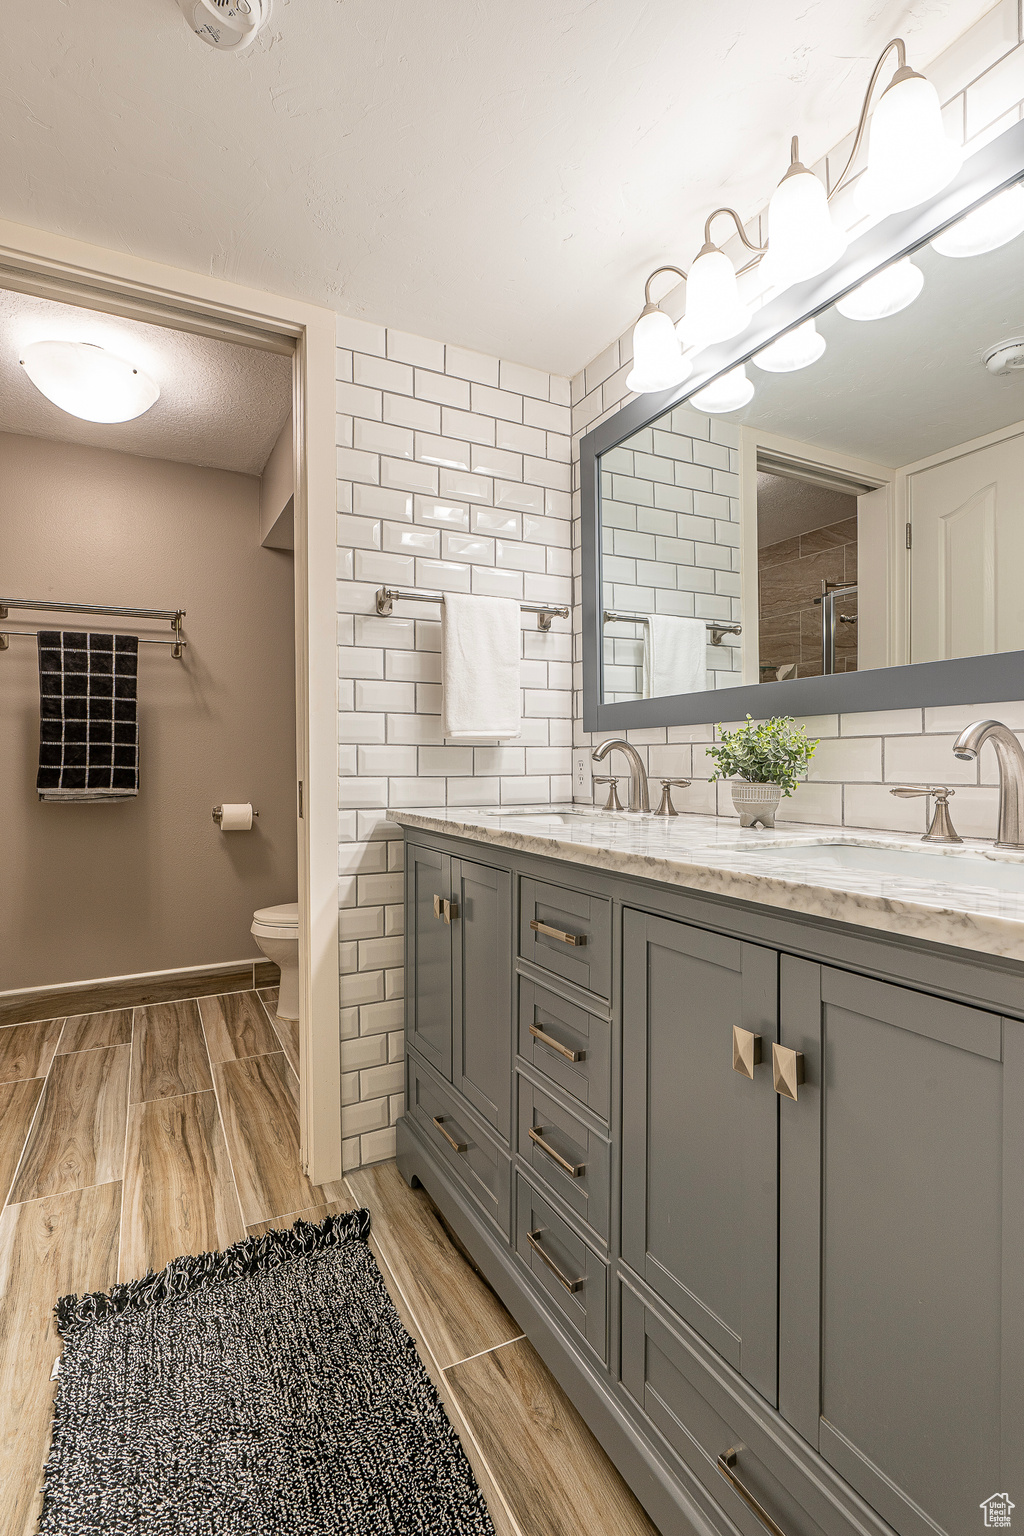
x: 1006, y: 356
x: 230, y: 25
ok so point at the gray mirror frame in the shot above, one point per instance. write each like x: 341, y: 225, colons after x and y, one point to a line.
x: 968, y: 680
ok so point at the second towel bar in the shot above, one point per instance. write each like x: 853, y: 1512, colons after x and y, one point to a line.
x: 718, y: 627
x: 387, y: 596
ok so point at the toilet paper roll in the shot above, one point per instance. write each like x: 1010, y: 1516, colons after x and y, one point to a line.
x: 236, y: 818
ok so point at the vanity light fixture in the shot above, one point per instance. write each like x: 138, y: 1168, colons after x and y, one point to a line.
x: 88, y: 381
x: 729, y: 393
x: 886, y: 293
x: 796, y: 349
x: 802, y: 239
x: 995, y: 223
x: 714, y: 309
x: 658, y: 361
x: 910, y: 158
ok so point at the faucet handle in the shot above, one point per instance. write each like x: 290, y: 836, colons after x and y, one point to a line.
x: 666, y: 808
x: 941, y: 828
x: 613, y: 803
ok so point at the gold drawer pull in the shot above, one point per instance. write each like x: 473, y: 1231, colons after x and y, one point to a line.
x: 445, y: 908
x: 571, y: 1285
x: 787, y: 1070
x: 572, y: 1169
x: 556, y: 1045
x: 456, y: 1146
x: 577, y: 940
x: 726, y: 1462
x: 746, y: 1051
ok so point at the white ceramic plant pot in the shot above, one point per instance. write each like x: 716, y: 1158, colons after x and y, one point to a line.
x: 756, y: 803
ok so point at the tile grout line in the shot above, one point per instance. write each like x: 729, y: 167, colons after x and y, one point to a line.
x: 489, y: 1351
x: 220, y: 1112
x: 124, y: 1155
x: 35, y: 1115
x: 423, y: 1347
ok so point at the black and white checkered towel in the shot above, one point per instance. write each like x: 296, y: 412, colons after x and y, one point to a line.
x: 88, y: 716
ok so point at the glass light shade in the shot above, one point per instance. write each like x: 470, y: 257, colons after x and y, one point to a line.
x: 88, y: 381
x: 886, y: 293
x: 658, y: 360
x: 910, y: 157
x: 728, y: 393
x: 802, y: 240
x: 797, y: 349
x: 995, y: 223
x: 714, y: 309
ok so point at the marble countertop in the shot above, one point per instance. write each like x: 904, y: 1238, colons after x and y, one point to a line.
x: 970, y: 908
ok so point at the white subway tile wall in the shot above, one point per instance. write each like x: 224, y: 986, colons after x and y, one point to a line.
x: 980, y: 79
x: 453, y: 475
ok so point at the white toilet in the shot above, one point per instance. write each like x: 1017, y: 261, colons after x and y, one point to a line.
x: 276, y: 931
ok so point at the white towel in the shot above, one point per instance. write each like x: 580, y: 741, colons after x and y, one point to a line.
x: 675, y: 656
x: 480, y: 648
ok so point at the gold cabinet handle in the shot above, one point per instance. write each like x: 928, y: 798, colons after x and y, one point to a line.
x: 726, y: 1462
x: 572, y: 1169
x: 787, y: 1070
x: 571, y: 1285
x: 556, y: 1045
x: 449, y: 910
x: 456, y: 1146
x: 746, y: 1051
x: 577, y: 940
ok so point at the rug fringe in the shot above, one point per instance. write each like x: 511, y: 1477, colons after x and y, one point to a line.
x: 194, y: 1272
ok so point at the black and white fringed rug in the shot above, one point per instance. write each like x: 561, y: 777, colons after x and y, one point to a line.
x: 269, y: 1390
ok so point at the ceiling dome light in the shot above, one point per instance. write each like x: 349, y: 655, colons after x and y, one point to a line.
x: 658, y: 361
x: 995, y: 223
x: 728, y: 393
x: 802, y: 240
x: 910, y: 156
x: 88, y: 381
x: 714, y: 309
x: 886, y: 293
x: 797, y: 349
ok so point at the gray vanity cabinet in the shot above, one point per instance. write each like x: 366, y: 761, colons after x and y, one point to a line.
x: 459, y: 970
x: 699, y: 1139
x: 901, y: 1189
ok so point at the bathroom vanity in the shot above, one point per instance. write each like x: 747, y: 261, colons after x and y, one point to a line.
x: 734, y: 1125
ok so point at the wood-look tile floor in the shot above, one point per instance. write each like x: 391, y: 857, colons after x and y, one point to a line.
x: 134, y: 1135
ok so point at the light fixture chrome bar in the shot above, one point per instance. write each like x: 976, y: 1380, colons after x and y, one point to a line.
x: 173, y: 616
x: 718, y: 627
x: 388, y: 596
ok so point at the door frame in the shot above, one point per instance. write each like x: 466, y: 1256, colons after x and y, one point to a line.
x: 72, y: 271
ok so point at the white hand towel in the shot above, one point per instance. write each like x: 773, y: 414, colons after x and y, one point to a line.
x: 675, y: 656
x: 480, y: 649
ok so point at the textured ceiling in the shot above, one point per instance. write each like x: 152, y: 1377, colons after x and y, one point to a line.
x: 502, y: 176
x: 221, y: 405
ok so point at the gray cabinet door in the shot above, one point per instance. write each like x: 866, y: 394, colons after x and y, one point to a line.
x: 482, y: 990
x: 699, y: 1140
x: 428, y: 957
x: 901, y: 1349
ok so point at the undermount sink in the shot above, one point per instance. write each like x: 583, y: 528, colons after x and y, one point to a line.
x: 549, y: 818
x: 939, y: 867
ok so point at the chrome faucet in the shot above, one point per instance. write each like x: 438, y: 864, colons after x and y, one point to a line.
x: 639, y: 796
x: 1010, y: 759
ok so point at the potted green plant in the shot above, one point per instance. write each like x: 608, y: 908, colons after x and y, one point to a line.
x: 767, y: 759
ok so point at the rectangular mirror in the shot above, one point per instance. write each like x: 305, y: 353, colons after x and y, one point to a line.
x: 844, y: 522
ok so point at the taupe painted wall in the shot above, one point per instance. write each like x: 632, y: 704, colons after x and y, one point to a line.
x: 108, y: 890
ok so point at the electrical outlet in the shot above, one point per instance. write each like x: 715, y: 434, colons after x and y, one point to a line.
x: 582, y: 784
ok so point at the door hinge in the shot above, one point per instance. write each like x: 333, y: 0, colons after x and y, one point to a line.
x: 300, y: 801
x: 910, y: 537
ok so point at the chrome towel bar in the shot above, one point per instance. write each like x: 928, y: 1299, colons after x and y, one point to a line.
x: 173, y: 616
x: 387, y: 596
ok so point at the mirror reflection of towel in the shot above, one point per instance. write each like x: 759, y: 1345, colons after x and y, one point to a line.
x: 675, y: 656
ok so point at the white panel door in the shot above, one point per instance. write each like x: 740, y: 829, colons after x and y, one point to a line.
x: 967, y: 555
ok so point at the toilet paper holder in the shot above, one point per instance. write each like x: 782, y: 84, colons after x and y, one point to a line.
x: 218, y: 812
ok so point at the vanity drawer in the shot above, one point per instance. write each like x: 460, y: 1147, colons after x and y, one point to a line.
x: 700, y: 1418
x: 567, y: 1157
x: 460, y: 1142
x: 567, y: 933
x: 563, y: 1267
x: 567, y: 1045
